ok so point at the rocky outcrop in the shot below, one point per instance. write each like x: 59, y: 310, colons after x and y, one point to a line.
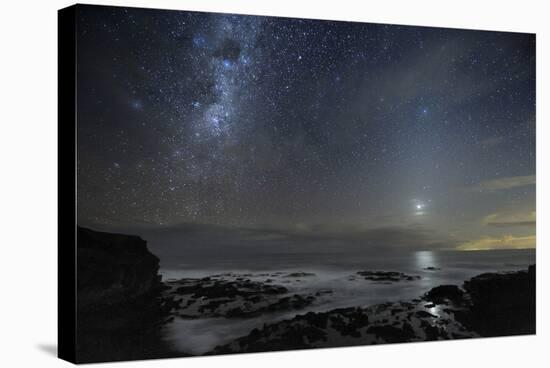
x: 379, y: 324
x: 119, y: 314
x: 431, y: 268
x: 123, y: 306
x: 445, y: 293
x: 300, y: 274
x: 216, y: 296
x: 491, y: 304
x: 502, y: 303
x: 387, y: 276
x: 113, y: 268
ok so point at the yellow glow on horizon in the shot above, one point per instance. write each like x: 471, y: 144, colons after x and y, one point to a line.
x: 503, y: 242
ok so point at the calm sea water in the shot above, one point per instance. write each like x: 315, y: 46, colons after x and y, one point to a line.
x: 331, y: 271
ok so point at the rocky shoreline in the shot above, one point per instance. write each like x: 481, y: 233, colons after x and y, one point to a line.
x: 491, y: 304
x: 216, y: 297
x: 123, y: 306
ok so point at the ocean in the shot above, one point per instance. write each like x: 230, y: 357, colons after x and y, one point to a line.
x: 331, y: 271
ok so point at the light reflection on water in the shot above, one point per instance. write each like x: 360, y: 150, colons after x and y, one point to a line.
x: 436, y: 310
x: 425, y: 259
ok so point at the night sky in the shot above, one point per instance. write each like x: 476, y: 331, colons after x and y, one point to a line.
x: 269, y: 128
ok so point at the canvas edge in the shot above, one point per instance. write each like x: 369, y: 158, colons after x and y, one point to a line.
x: 66, y: 175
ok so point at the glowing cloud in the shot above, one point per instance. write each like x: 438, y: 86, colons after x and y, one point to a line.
x: 503, y: 242
x: 500, y: 219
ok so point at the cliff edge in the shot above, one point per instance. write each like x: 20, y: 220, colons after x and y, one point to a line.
x: 113, y: 268
x: 119, y: 307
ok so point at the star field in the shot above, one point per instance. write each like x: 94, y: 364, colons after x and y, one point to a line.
x: 245, y: 121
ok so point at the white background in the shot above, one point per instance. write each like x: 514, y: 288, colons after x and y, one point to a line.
x: 28, y: 181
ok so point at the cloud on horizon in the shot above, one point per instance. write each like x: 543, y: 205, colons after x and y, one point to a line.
x: 506, y: 183
x: 502, y: 242
x: 502, y: 219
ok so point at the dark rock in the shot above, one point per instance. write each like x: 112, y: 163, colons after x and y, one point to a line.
x: 213, y: 305
x: 424, y: 314
x: 349, y: 321
x: 493, y: 304
x: 233, y: 298
x: 113, y: 268
x: 270, y: 338
x: 432, y: 332
x: 394, y: 311
x: 393, y: 334
x: 440, y: 294
x: 300, y: 274
x: 226, y: 289
x: 236, y: 312
x: 502, y: 303
x: 168, y: 304
x: 408, y: 329
x: 386, y: 276
x: 120, y: 310
x: 323, y: 292
x: 190, y: 302
x: 318, y: 320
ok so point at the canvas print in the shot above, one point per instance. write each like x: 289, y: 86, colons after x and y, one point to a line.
x: 253, y: 183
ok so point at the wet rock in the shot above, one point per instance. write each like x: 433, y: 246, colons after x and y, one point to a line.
x: 237, y: 298
x: 323, y: 292
x: 387, y: 276
x: 408, y: 329
x: 502, y: 303
x: 392, y: 334
x: 424, y: 314
x: 350, y: 321
x: 213, y: 305
x: 432, y: 332
x: 394, y: 311
x: 300, y: 274
x: 318, y: 320
x: 393, y: 321
x: 443, y: 293
x: 382, y: 323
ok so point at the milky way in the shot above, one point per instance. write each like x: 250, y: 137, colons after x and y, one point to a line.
x: 243, y: 121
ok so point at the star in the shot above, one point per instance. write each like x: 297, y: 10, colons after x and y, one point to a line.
x: 259, y: 121
x: 227, y: 64
x: 137, y: 105
x: 199, y: 41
